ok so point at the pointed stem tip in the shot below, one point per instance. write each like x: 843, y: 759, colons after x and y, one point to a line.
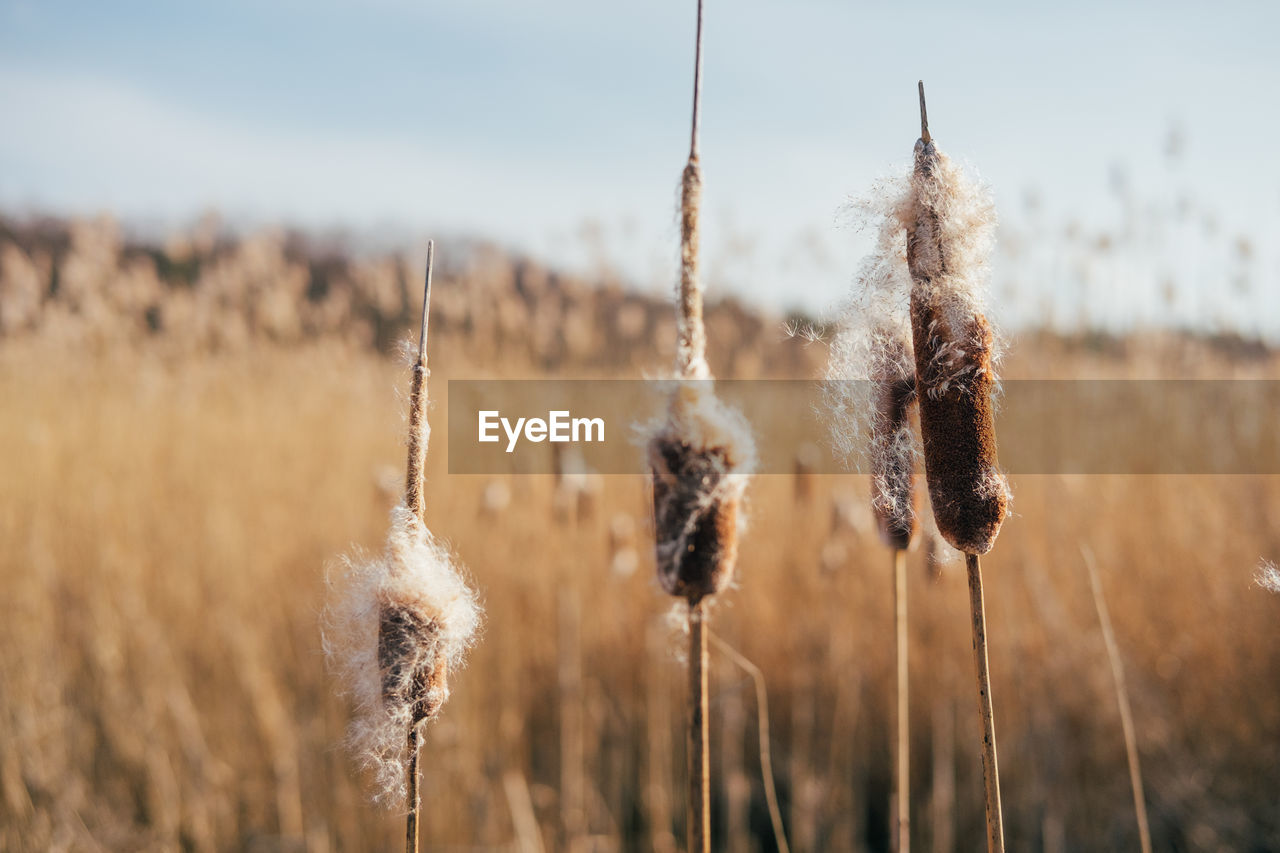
x: 697, y: 87
x: 426, y: 304
x: 924, y: 117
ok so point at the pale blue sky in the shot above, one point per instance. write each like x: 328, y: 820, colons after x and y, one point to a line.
x: 521, y: 121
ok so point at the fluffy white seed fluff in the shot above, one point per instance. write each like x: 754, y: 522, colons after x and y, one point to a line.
x: 416, y: 574
x: 872, y: 344
x: 1268, y: 576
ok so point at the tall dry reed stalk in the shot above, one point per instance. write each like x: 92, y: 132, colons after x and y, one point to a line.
x: 766, y: 749
x: 949, y: 227
x: 699, y: 455
x: 398, y: 624
x: 1122, y: 699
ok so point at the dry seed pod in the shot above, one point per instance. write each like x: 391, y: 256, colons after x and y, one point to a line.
x: 893, y: 454
x: 412, y: 661
x: 699, y: 458
x: 870, y: 385
x: 397, y: 624
x: 948, y: 235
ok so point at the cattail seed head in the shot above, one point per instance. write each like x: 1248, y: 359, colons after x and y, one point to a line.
x: 700, y: 457
x: 396, y: 625
x: 870, y: 387
x: 949, y: 225
x: 412, y: 661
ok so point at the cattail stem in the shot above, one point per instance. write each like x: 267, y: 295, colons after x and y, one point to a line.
x: 697, y: 89
x: 699, y: 732
x: 414, y: 482
x: 902, y: 831
x: 1122, y: 699
x: 411, y: 820
x: 990, y: 766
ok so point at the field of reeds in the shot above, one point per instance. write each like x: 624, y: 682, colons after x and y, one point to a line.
x: 192, y: 432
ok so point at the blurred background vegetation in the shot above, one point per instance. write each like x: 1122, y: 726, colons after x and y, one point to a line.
x: 195, y: 429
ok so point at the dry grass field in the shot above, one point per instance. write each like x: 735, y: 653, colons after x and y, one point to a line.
x: 176, y: 485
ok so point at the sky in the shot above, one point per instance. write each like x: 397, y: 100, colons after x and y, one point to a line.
x: 560, y: 129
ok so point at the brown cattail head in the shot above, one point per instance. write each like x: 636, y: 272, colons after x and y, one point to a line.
x: 870, y: 388
x: 701, y: 453
x: 395, y: 627
x: 700, y: 456
x: 949, y: 223
x: 893, y: 452
x: 412, y: 660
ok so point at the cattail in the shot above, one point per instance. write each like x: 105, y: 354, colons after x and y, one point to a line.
x: 399, y: 623
x: 874, y: 346
x: 701, y: 452
x: 949, y: 224
x: 699, y: 455
x: 949, y: 228
x: 870, y: 388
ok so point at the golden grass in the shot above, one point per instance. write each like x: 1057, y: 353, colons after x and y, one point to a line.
x: 166, y: 526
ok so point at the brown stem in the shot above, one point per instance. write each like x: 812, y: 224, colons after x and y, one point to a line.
x: 411, y: 820
x: 426, y: 303
x: 697, y: 89
x: 699, y: 734
x: 990, y: 766
x: 902, y: 833
x: 1122, y: 699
